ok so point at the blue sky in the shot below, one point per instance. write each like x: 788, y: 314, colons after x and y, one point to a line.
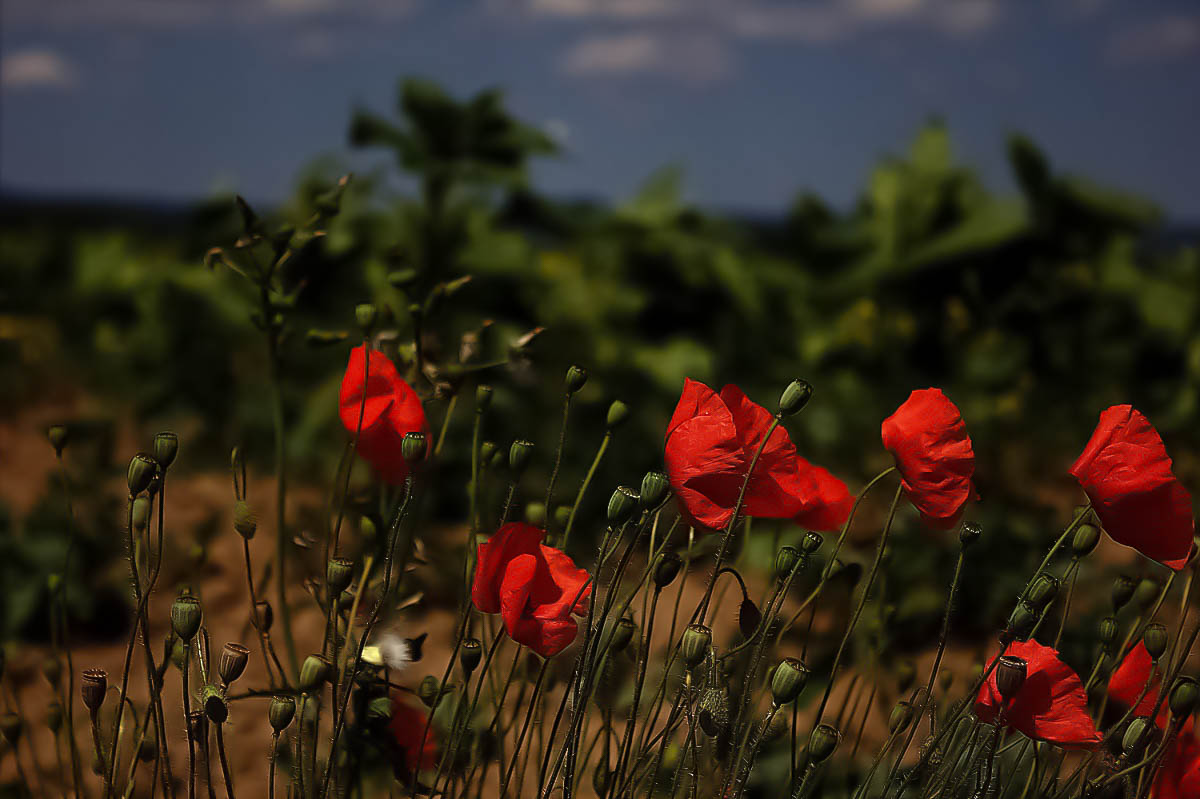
x: 755, y: 99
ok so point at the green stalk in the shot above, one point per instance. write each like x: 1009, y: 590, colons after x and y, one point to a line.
x: 583, y: 487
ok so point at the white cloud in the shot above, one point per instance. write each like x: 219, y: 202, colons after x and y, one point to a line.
x: 37, y: 68
x: 692, y: 57
x: 131, y: 15
x: 1158, y: 40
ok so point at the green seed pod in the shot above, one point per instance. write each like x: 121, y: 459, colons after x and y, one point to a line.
x: 562, y: 515
x: 621, y: 505
x: 232, y: 663
x: 339, y: 572
x: 622, y: 635
x: 93, y: 686
x: 243, y: 520
x: 313, y: 673
x: 1022, y: 621
x: 1087, y: 536
x: 811, y: 543
x: 786, y: 560
x: 1108, y: 633
x: 1122, y: 591
x: 1146, y: 594
x: 54, y: 716
x: 900, y: 718
x: 518, y: 456
x: 795, y: 397
x: 379, y: 710
x: 1183, y: 698
x: 427, y: 691
x: 969, y: 534
x: 618, y: 413
x: 140, y: 514
x: 469, y: 655
x: 366, y: 315
x: 281, y: 712
x: 1043, y: 591
x: 535, y: 514
x: 1155, y: 639
x: 714, y: 711
x: 666, y: 570
x: 1137, y: 734
x: 57, y: 433
x: 216, y: 707
x: 822, y: 743
x: 697, y: 640
x: 576, y: 377
x: 52, y: 670
x: 749, y: 617
x: 310, y: 711
x: 788, y: 680
x: 166, y: 448
x: 11, y: 727
x: 656, y: 486
x: 142, y: 470
x: 186, y: 615
x: 1010, y: 676
x: 487, y: 451
x: 413, y: 447
x: 483, y: 398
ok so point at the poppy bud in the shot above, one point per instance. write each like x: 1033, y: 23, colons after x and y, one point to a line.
x: 52, y: 670
x: 788, y: 680
x: 486, y: 451
x: 655, y: 488
x: 1010, y: 676
x: 366, y: 315
x: 166, y: 447
x: 1155, y: 639
x: 811, y: 543
x: 11, y: 727
x: 54, y: 716
x: 281, y: 712
x: 1022, y: 621
x: 93, y: 687
x: 621, y: 505
x: 562, y: 515
x: 212, y: 699
x: 264, y: 616
x: 518, y: 456
x: 535, y: 514
x: 906, y: 675
x: 313, y: 673
x: 469, y: 655
x: 1136, y: 735
x: 622, y: 635
x: 1122, y: 591
x: 901, y: 717
x: 186, y: 615
x: 1086, y: 539
x: 483, y: 398
x: 822, y: 742
x: 969, y: 534
x: 414, y: 446
x: 714, y: 711
x: 749, y: 617
x: 1108, y: 632
x: 576, y: 377
x: 497, y: 461
x: 666, y: 569
x: 618, y: 412
x: 697, y: 639
x: 243, y: 520
x: 1183, y: 698
x: 795, y: 397
x: 58, y: 437
x: 427, y: 691
x: 142, y: 469
x: 1146, y: 594
x: 1043, y: 591
x: 232, y: 662
x: 786, y: 559
x: 339, y: 572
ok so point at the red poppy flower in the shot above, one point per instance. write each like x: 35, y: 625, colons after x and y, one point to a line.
x: 933, y: 454
x: 391, y: 411
x: 1126, y: 473
x: 1051, y: 704
x: 1126, y: 684
x: 407, y: 726
x: 710, y: 443
x: 535, y: 588
x: 1179, y: 777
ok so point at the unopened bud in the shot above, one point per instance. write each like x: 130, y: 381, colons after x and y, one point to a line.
x: 562, y: 515
x: 1086, y: 539
x: 483, y: 398
x: 93, y: 687
x: 414, y: 447
x: 1184, y: 695
x: 795, y: 397
x: 264, y: 616
x: 166, y: 448
x: 281, y: 712
x: 1137, y: 734
x: 1043, y: 591
x: 969, y: 534
x: 232, y: 663
x: 1010, y: 676
x: 428, y: 691
x: 788, y: 680
x: 469, y: 655
x: 518, y: 456
x: 749, y: 618
x: 243, y: 520
x: 186, y: 615
x: 622, y: 634
x: 313, y: 673
x: 58, y: 437
x: 1155, y: 639
x: 618, y: 412
x: 621, y: 505
x: 1108, y: 632
x: 900, y: 718
x: 576, y: 377
x: 142, y: 469
x: 822, y: 742
x: 786, y: 560
x: 366, y: 315
x: 1122, y: 591
x: 339, y: 572
x: 656, y: 486
x: 535, y: 514
x: 1146, y: 594
x: 666, y: 569
x: 1022, y: 621
x: 697, y: 639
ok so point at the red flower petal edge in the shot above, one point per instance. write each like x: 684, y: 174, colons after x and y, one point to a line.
x: 1179, y: 777
x: 710, y: 443
x: 535, y: 588
x: 407, y: 725
x: 391, y: 411
x: 928, y: 438
x: 1126, y: 473
x: 1051, y: 704
x: 1126, y: 684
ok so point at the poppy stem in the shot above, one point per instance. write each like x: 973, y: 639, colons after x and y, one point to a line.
x: 583, y: 487
x: 562, y: 442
